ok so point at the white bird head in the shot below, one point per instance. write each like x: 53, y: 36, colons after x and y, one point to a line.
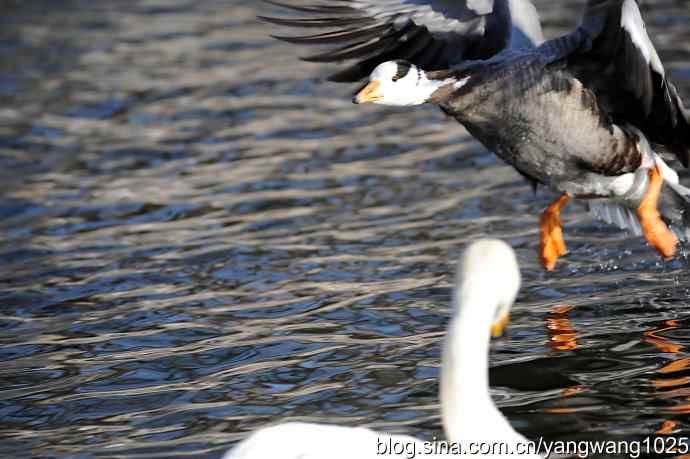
x: 398, y: 83
x: 488, y: 269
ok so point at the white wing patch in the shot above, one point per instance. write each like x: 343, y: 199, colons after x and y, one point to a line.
x: 626, y: 219
x: 631, y: 21
x: 460, y: 83
x: 616, y: 214
x: 625, y: 188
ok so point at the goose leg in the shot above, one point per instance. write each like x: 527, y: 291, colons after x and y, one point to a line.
x: 654, y: 229
x: 551, y: 232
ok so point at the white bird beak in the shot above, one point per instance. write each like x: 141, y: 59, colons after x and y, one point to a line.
x: 499, y: 326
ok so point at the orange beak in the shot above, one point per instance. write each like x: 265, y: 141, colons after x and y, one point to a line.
x: 370, y: 93
x: 499, y: 326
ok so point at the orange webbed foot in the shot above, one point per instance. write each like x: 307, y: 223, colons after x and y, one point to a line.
x: 653, y: 227
x: 551, y: 233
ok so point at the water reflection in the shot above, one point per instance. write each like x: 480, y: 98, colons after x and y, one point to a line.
x: 562, y: 335
x: 673, y: 379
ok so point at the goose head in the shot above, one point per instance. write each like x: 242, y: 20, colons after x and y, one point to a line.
x: 399, y: 83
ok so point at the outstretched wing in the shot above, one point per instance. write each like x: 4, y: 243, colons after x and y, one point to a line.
x: 623, y: 69
x: 433, y: 34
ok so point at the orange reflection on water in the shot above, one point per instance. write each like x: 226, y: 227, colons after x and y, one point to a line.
x: 684, y: 408
x: 675, y: 366
x: 560, y: 410
x: 667, y: 346
x: 667, y: 427
x: 562, y: 335
x: 673, y: 382
x: 661, y: 342
x: 573, y: 390
x: 671, y: 388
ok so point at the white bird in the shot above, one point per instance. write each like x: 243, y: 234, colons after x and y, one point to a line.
x: 487, y: 283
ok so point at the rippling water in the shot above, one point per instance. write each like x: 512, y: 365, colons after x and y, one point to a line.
x: 198, y: 236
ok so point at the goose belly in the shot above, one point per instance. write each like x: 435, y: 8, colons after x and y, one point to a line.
x: 555, y: 134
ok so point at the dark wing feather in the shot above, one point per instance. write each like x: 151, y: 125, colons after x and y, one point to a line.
x: 621, y: 66
x: 434, y: 34
x: 423, y: 51
x: 347, y: 36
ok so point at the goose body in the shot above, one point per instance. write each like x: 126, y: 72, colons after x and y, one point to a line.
x: 583, y: 115
x: 552, y: 129
x: 468, y: 414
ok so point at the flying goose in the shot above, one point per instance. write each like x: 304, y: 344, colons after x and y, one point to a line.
x: 578, y: 114
x: 486, y: 285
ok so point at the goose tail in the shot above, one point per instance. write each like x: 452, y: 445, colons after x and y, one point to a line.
x: 673, y: 205
x: 615, y: 213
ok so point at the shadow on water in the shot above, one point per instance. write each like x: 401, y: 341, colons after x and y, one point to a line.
x: 198, y: 237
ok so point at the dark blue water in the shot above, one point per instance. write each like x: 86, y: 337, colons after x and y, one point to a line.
x: 198, y: 237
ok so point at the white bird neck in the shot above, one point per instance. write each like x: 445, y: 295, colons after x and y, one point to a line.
x: 427, y: 87
x: 414, y: 94
x: 467, y: 410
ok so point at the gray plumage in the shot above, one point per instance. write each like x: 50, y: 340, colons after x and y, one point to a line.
x: 578, y: 113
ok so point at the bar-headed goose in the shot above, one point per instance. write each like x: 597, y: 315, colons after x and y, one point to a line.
x: 578, y: 114
x: 487, y: 283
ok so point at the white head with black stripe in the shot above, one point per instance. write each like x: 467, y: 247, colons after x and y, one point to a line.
x: 400, y: 83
